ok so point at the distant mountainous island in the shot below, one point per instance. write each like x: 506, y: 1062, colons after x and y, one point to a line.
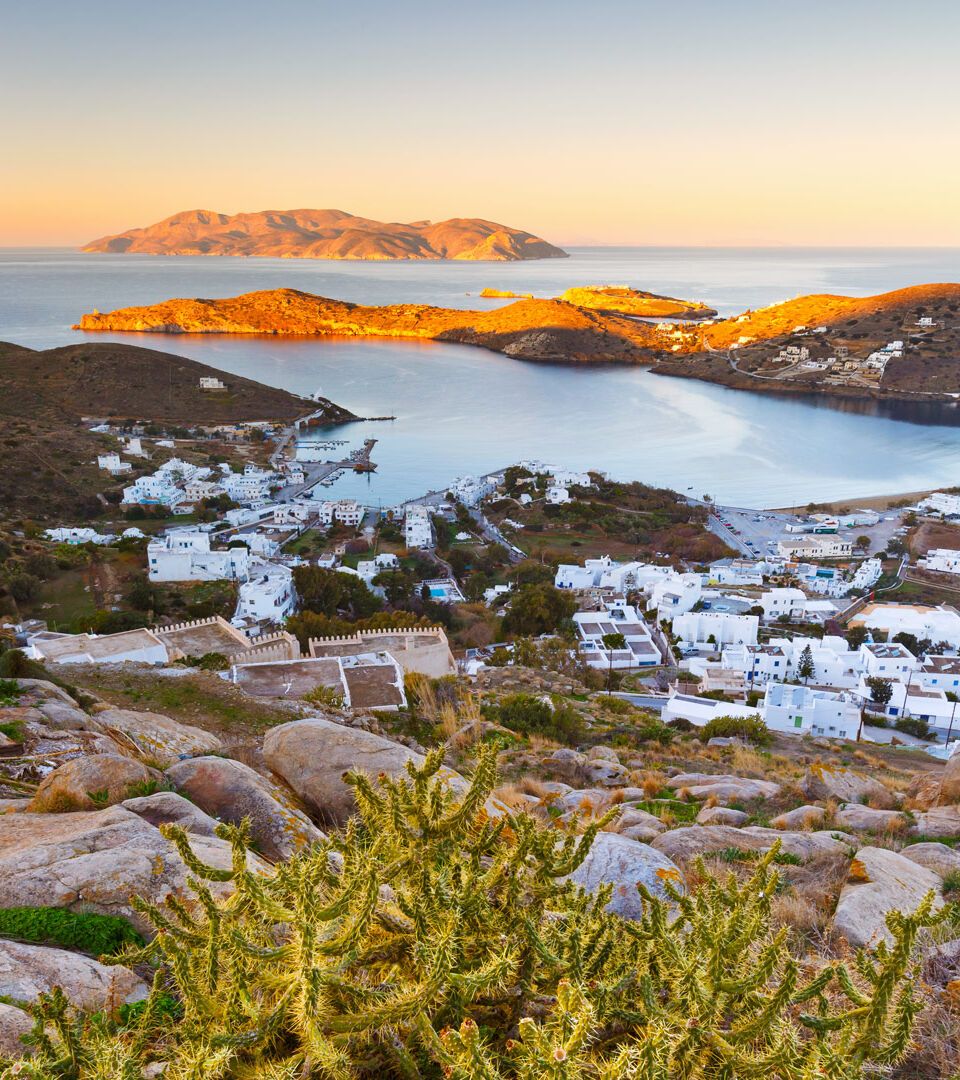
x: 899, y: 344
x: 327, y: 234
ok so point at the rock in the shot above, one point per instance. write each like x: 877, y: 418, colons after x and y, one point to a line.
x: 950, y: 781
x: 63, y: 717
x: 587, y: 800
x: 155, y: 736
x: 803, y: 817
x: 13, y: 806
x: 232, y: 791
x: 880, y: 881
x: 846, y: 785
x: 721, y: 815
x: 939, y: 858
x: 631, y: 794
x: 724, y: 788
x: 27, y: 971
x: 631, y: 817
x: 938, y: 821
x: 39, y: 690
x: 610, y: 774
x: 14, y: 1024
x: 625, y: 863
x: 70, y: 786
x: 169, y: 808
x: 312, y: 756
x: 723, y: 740
x: 602, y: 753
x: 95, y: 861
x: 643, y: 833
x: 693, y: 840
x: 861, y: 818
x: 567, y: 762
x: 554, y: 787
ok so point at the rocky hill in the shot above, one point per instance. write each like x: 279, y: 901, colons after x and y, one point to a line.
x: 627, y: 301
x: 47, y: 399
x: 740, y: 351
x: 327, y: 234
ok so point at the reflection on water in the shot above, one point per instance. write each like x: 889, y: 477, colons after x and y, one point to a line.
x: 462, y: 410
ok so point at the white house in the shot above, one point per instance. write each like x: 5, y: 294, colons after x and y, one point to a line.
x: 605, y: 573
x: 80, y: 535
x: 939, y: 673
x: 113, y: 464
x: 802, y: 710
x: 570, y: 478
x: 834, y: 663
x: 417, y: 529
x: 134, y: 646
x: 185, y: 555
x: 368, y: 569
x: 940, y: 624
x: 737, y: 572
x: 557, y: 495
x: 815, y: 547
x: 676, y: 594
x: 345, y: 511
x: 887, y: 660
x: 945, y: 560
x: 702, y: 628
x: 639, y: 649
x: 251, y: 485
x: 777, y: 603
x: 942, y: 502
x: 909, y: 700
x: 267, y: 595
x: 471, y: 490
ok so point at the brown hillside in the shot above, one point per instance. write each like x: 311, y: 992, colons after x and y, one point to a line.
x: 627, y: 301
x: 326, y: 234
x: 48, y: 454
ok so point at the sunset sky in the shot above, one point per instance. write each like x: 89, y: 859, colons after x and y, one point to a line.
x: 743, y: 122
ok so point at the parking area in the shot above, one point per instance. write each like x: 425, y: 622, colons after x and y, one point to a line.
x: 756, y: 533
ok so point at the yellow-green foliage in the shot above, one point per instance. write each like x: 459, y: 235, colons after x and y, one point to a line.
x: 429, y: 939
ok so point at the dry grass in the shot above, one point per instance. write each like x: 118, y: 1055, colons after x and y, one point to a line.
x: 935, y: 1053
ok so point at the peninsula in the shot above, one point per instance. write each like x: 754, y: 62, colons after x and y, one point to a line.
x: 327, y: 234
x: 900, y: 343
x: 620, y: 299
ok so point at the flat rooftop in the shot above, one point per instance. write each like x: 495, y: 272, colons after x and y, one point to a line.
x: 216, y: 637
x: 97, y: 648
x: 288, y: 678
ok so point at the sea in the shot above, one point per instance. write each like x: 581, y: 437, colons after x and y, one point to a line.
x: 461, y: 410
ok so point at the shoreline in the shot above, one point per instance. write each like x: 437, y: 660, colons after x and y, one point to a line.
x: 871, y: 502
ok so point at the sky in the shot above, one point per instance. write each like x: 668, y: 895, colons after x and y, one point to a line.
x: 728, y: 122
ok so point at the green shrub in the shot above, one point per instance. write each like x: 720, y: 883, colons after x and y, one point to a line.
x: 97, y: 934
x: 913, y: 725
x: 9, y: 692
x: 529, y: 715
x: 439, y: 942
x: 751, y: 728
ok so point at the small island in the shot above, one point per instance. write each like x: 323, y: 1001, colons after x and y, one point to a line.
x: 626, y: 301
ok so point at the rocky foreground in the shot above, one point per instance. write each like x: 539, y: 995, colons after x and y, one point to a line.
x: 88, y: 785
x: 327, y: 234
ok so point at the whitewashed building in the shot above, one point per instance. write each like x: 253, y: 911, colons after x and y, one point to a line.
x: 186, y: 555
x: 113, y: 464
x: 417, y: 528
x: 268, y: 595
x: 717, y: 628
x: 803, y: 710
x: 639, y: 649
x: 943, y: 560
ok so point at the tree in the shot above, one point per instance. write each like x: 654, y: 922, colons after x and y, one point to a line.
x: 538, y: 609
x: 328, y: 592
x: 805, y: 667
x: 862, y: 543
x: 881, y: 690
x: 856, y: 635
x: 612, y: 642
x: 895, y: 546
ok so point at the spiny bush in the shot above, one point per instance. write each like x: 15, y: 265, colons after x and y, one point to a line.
x: 89, y: 932
x: 427, y: 939
x: 751, y: 728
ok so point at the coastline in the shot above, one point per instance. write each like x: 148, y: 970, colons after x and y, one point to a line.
x: 871, y: 502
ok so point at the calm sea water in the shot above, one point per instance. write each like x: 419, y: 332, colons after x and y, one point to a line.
x: 462, y: 410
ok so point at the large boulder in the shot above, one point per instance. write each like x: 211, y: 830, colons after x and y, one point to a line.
x: 943, y: 821
x: 939, y: 858
x: 625, y: 863
x: 609, y: 774
x: 155, y: 737
x: 722, y: 815
x: 97, y: 861
x: 845, y: 785
x: 169, y: 808
x: 723, y: 788
x: 950, y: 781
x: 72, y: 785
x: 880, y: 881
x: 802, y: 817
x: 232, y: 791
x: 14, y: 1024
x: 57, y: 714
x: 26, y: 971
x: 860, y: 818
x: 312, y: 756
x: 693, y: 840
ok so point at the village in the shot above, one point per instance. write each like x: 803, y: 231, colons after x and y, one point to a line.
x: 797, y: 623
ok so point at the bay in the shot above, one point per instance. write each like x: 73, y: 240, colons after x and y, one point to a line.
x: 463, y: 410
